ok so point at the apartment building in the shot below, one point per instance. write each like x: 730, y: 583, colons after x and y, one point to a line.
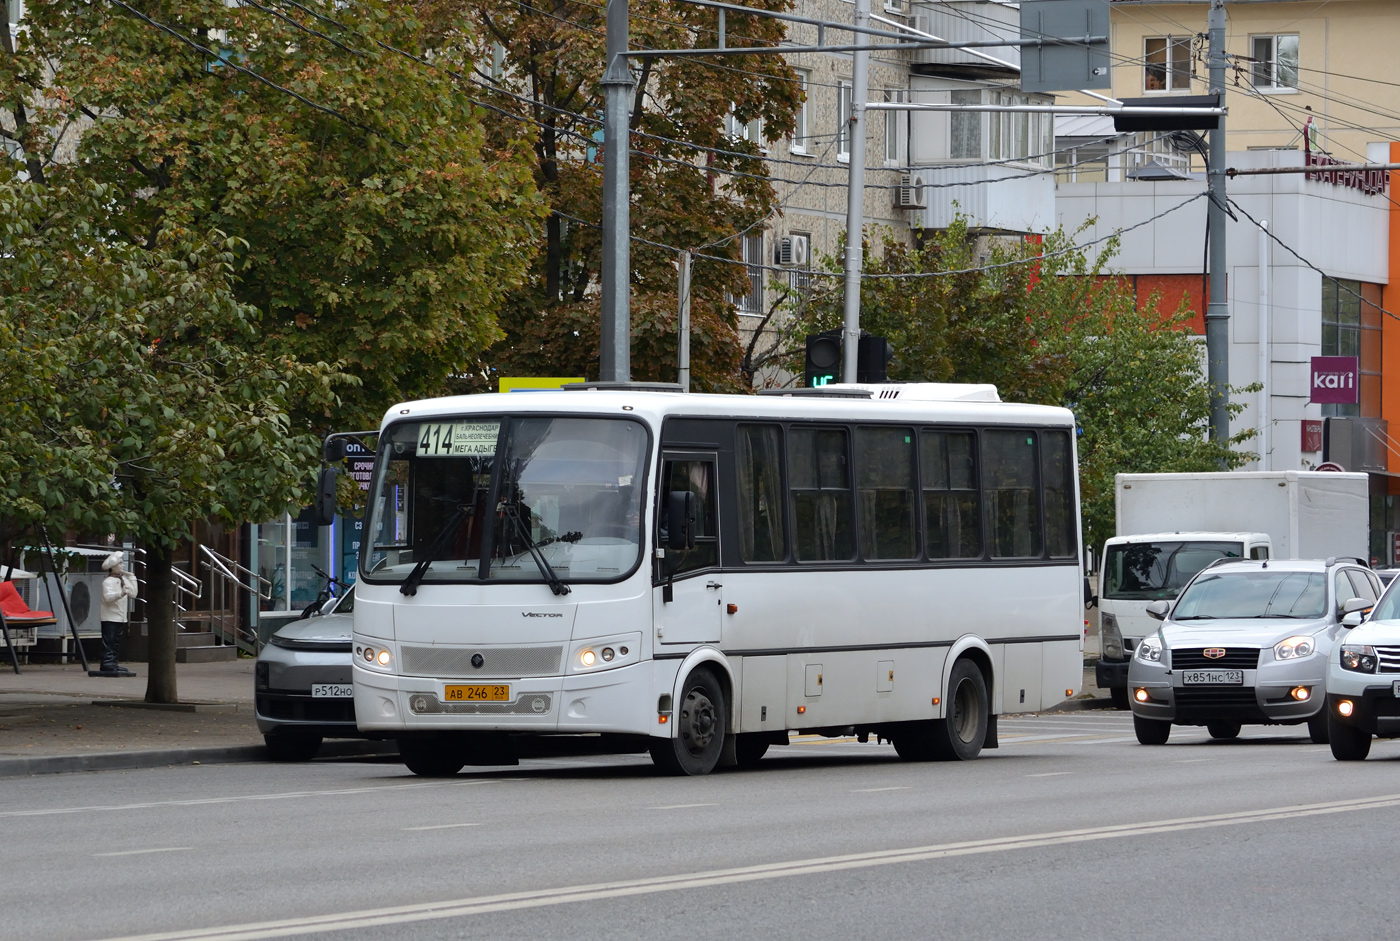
x: 922, y: 168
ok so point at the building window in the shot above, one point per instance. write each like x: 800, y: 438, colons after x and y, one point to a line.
x: 744, y: 131
x: 843, y: 120
x: 1341, y: 329
x: 1275, y: 63
x: 800, y: 132
x: 751, y: 304
x: 1167, y: 63
x: 896, y: 133
x: 965, y: 127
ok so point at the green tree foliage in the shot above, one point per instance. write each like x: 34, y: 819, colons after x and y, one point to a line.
x: 379, y: 224
x: 135, y: 394
x: 689, y: 121
x: 1047, y: 324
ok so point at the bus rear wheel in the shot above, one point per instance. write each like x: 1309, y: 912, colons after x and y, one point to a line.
x: 701, y: 724
x: 958, y: 736
x: 436, y: 757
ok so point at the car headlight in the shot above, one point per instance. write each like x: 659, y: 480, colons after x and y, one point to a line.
x: 1294, y: 647
x: 1110, y: 638
x: 1150, y: 650
x: 1358, y: 657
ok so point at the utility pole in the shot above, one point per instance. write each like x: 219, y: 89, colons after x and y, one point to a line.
x: 855, y: 198
x: 1218, y: 310
x: 683, y: 319
x: 615, y: 355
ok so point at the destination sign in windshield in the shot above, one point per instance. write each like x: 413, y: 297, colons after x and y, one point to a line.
x: 458, y: 439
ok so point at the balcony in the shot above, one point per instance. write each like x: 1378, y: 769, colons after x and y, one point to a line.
x: 968, y: 21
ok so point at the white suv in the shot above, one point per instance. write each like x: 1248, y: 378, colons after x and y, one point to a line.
x: 1363, y: 680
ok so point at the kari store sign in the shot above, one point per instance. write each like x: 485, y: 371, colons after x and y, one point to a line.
x: 1335, y: 380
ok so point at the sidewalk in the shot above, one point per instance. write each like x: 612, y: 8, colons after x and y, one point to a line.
x: 57, y: 718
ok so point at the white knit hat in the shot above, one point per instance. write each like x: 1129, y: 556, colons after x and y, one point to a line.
x: 112, y: 561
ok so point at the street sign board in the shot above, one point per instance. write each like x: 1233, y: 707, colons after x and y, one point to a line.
x: 1334, y: 380
x: 1067, y: 67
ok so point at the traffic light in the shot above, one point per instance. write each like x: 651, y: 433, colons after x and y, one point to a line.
x: 872, y: 357
x: 823, y: 359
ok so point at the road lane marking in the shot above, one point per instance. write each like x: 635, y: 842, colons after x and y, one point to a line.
x: 285, y: 795
x: 680, y: 806
x: 444, y: 826
x: 159, y: 849
x: 1049, y: 774
x: 540, y: 898
x: 872, y: 790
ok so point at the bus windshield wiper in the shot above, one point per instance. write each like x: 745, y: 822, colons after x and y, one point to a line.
x: 556, y: 584
x: 410, y: 584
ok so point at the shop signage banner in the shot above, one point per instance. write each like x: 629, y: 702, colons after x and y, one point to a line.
x: 1335, y: 380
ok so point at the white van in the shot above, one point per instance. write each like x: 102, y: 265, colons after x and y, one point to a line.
x: 1138, y: 570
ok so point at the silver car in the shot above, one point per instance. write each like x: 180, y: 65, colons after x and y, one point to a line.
x: 302, y: 683
x: 1245, y: 643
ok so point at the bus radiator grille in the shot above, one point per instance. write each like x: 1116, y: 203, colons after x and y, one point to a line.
x: 529, y: 704
x: 495, y: 661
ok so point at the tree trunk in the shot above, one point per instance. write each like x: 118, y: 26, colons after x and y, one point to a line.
x: 160, y: 626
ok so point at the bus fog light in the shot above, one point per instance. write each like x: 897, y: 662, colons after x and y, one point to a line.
x: 1300, y: 693
x: 1346, y: 707
x: 588, y: 658
x: 608, y: 654
x: 383, y: 658
x: 1140, y: 695
x: 369, y: 654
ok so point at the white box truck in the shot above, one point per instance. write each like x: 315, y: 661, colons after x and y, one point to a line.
x: 1170, y: 526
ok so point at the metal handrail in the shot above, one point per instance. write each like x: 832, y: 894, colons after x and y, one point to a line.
x: 223, y: 563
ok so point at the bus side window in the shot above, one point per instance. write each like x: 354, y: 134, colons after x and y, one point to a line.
x: 1057, y: 477
x: 698, y: 477
x: 820, y: 481
x: 762, y: 525
x: 952, y: 513
x: 885, y: 482
x: 1258, y: 552
x: 1013, y: 500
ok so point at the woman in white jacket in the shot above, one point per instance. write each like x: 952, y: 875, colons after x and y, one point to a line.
x: 117, y: 587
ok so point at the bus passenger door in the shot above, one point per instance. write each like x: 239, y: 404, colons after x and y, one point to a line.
x: 688, y: 593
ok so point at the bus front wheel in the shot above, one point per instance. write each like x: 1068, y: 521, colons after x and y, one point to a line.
x: 436, y: 757
x: 701, y: 724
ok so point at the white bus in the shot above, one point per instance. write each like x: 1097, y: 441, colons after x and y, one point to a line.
x: 700, y: 576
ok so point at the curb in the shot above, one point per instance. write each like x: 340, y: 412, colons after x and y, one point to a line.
x: 211, y: 706
x: 165, y: 757
x: 1082, y: 705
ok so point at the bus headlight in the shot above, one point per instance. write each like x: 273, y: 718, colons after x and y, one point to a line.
x: 373, y: 657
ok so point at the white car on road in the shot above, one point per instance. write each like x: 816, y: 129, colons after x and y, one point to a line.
x: 1363, y: 680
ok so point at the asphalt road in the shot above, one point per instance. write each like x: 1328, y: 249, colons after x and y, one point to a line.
x: 1069, y: 830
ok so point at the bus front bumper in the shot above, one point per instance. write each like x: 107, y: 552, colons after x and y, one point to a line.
x: 620, y: 700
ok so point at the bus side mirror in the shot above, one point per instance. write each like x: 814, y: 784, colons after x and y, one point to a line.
x: 680, y: 520
x: 333, y: 450
x: 1157, y: 610
x: 325, y: 496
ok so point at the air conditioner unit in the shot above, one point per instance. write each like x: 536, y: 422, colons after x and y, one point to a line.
x: 911, y: 191
x: 794, y: 251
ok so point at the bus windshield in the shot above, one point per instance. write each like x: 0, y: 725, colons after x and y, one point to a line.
x: 494, y: 498
x: 1149, y: 571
